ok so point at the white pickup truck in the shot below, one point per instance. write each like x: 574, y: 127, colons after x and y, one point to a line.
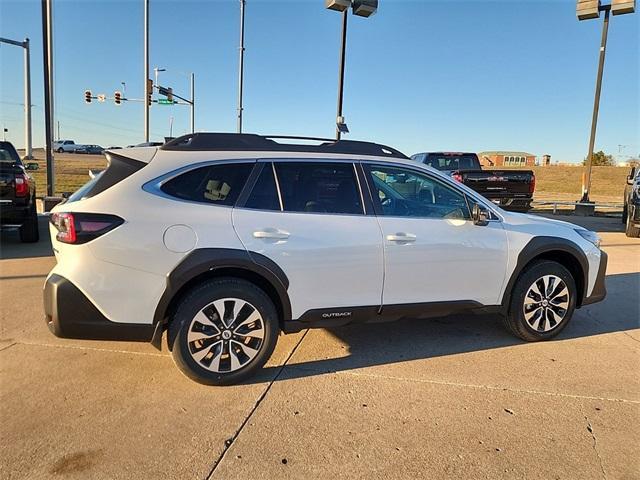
x: 68, y: 146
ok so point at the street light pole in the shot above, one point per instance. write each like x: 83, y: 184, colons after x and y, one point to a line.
x: 27, y: 100
x: 193, y: 114
x: 48, y: 104
x: 343, y: 47
x: 596, y: 103
x: 27, y: 93
x: 146, y: 70
x: 241, y: 66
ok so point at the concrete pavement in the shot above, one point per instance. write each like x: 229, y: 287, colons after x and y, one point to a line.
x: 446, y: 398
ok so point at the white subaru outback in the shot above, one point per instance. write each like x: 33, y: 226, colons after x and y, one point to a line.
x: 223, y: 240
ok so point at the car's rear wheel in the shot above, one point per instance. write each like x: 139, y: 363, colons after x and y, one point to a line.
x: 542, y: 301
x: 630, y: 230
x: 29, y: 232
x: 223, y: 331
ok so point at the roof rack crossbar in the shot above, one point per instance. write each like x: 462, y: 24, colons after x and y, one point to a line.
x: 253, y: 142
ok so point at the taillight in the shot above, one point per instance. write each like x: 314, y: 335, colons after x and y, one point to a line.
x: 79, y: 228
x: 532, y: 185
x: 457, y: 177
x: 22, y: 185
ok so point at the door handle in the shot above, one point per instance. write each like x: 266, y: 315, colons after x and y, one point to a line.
x: 271, y: 234
x: 402, y: 237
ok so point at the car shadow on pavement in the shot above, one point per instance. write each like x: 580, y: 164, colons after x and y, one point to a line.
x: 387, y: 343
x: 12, y: 248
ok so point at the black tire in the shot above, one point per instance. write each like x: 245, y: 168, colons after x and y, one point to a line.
x: 61, y: 150
x: 630, y: 230
x: 29, y: 232
x: 202, y: 297
x: 515, y: 320
x: 624, y: 214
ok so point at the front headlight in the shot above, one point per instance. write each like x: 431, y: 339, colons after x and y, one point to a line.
x: 590, y: 236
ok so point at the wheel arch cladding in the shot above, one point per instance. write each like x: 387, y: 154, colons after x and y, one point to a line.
x: 555, y: 249
x: 206, y: 263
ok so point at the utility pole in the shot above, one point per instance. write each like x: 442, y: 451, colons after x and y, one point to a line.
x: 193, y: 114
x: 241, y: 66
x: 146, y: 70
x: 27, y: 93
x: 48, y: 104
x: 58, y: 126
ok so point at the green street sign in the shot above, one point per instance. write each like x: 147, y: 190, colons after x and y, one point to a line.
x: 164, y: 101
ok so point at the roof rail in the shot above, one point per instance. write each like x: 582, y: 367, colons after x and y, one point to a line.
x: 253, y: 142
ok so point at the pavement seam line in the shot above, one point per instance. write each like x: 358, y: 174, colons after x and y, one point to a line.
x: 489, y: 387
x: 79, y: 347
x: 228, y: 444
x: 8, y: 346
x: 595, y: 446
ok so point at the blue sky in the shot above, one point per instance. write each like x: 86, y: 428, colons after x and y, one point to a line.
x: 421, y: 75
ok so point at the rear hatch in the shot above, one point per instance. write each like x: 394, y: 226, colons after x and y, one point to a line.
x: 499, y: 183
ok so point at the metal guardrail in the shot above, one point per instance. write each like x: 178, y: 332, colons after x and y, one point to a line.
x: 555, y: 203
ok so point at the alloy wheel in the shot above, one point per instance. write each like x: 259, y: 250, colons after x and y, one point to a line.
x: 546, y: 303
x: 226, y: 335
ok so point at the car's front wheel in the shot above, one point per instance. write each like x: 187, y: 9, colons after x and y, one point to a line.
x: 542, y: 301
x: 223, y: 331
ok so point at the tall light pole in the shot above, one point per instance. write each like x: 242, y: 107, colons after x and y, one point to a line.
x: 361, y: 8
x: 47, y: 67
x: 27, y: 93
x: 147, y: 91
x: 241, y: 66
x: 193, y: 103
x: 585, y: 10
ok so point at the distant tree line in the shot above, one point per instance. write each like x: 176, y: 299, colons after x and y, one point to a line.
x: 601, y: 159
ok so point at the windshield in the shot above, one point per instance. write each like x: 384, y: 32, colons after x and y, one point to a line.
x: 451, y: 161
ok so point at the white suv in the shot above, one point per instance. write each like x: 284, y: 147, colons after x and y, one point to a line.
x: 223, y: 240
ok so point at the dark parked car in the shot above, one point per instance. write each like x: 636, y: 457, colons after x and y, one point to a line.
x: 17, y: 195
x: 631, y: 210
x: 90, y: 149
x: 510, y: 189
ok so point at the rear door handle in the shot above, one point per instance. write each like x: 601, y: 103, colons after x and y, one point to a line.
x: 271, y: 234
x: 401, y: 237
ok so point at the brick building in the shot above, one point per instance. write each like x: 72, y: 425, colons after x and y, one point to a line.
x: 507, y: 159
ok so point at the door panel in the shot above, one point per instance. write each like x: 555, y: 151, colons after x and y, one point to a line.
x: 332, y: 259
x: 433, y: 251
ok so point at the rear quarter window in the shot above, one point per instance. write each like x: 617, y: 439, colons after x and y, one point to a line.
x: 213, y: 184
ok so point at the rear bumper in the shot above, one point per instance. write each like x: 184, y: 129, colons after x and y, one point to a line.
x: 13, y: 214
x: 70, y: 314
x: 511, y: 203
x: 599, y: 289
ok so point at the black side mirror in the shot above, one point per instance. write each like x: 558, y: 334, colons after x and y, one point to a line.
x: 480, y: 215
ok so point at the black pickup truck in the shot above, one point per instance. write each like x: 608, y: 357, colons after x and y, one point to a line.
x: 17, y: 195
x: 510, y: 189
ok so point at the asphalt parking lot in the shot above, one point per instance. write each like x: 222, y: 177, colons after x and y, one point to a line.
x: 448, y: 398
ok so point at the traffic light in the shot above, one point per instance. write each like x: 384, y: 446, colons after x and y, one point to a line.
x: 149, y: 91
x: 170, y: 94
x: 117, y: 98
x: 87, y: 96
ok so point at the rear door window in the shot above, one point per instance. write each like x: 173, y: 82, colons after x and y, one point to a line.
x: 214, y: 184
x: 264, y: 195
x: 319, y: 187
